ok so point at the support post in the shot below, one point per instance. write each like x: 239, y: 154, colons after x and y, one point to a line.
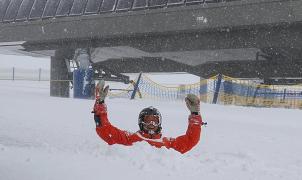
x: 255, y: 95
x: 39, y: 74
x: 59, y: 76
x: 216, y: 92
x: 13, y: 73
x: 136, y: 86
x: 284, y: 95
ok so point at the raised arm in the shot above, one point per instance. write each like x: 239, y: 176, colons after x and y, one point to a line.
x: 186, y: 142
x: 104, y: 129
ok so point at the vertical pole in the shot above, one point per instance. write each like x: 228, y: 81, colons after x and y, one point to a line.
x: 13, y: 73
x: 255, y: 94
x: 247, y: 95
x: 39, y: 74
x: 216, y: 93
x: 284, y: 94
x: 136, y: 85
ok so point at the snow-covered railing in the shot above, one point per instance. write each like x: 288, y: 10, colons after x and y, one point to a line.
x: 24, y: 74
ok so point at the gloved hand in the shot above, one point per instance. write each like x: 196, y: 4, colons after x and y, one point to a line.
x: 101, y: 92
x: 193, y: 103
x: 99, y: 106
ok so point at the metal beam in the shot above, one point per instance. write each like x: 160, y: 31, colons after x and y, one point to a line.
x: 195, y: 18
x: 288, y: 36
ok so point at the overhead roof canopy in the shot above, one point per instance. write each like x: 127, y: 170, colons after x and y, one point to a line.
x: 118, y: 52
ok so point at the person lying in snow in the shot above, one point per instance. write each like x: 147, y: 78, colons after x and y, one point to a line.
x: 149, y: 122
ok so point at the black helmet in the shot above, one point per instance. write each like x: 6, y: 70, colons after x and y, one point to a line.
x: 149, y: 111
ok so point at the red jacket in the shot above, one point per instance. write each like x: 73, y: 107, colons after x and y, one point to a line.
x: 113, y: 135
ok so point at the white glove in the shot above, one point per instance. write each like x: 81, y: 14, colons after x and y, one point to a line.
x: 101, y: 91
x: 193, y: 103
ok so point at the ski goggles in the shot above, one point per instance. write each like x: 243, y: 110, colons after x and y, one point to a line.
x: 151, y: 120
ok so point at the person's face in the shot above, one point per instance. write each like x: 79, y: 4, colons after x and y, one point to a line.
x: 151, y: 122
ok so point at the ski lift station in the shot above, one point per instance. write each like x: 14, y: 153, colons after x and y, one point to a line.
x: 105, y: 38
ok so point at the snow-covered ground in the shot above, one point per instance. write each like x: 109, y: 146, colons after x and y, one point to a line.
x: 49, y: 138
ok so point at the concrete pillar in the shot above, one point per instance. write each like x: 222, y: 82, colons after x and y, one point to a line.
x: 59, y: 76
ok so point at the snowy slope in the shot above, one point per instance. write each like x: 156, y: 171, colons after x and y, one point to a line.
x: 48, y: 138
